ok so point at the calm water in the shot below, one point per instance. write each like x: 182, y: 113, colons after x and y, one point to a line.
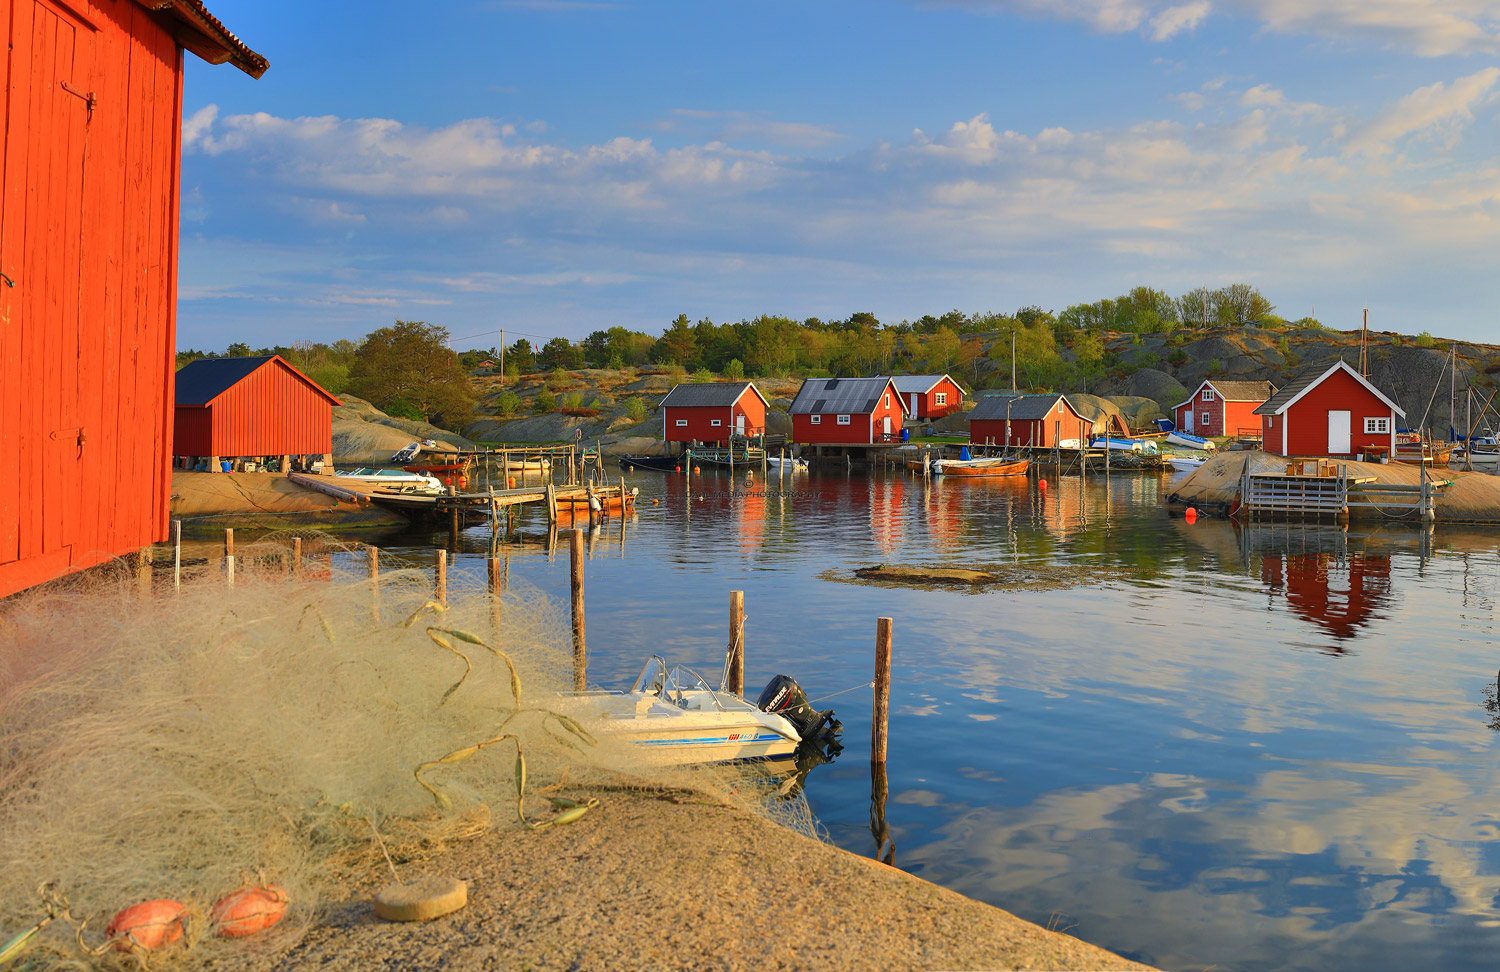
x: 1254, y: 748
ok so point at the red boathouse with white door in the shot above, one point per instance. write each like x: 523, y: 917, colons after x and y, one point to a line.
x: 710, y: 412
x: 847, y: 411
x: 1329, y: 412
x: 1217, y: 408
x: 928, y: 396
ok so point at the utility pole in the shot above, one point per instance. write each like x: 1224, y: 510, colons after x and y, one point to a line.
x: 502, y: 357
x: 1364, y: 340
x: 1012, y: 361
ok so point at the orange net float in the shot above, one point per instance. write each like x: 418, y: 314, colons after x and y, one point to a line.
x: 148, y: 925
x: 249, y: 910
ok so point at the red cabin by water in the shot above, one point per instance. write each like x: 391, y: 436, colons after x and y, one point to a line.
x: 710, y: 412
x: 88, y: 248
x: 1222, y: 407
x: 847, y: 411
x: 251, y: 407
x: 1332, y: 412
x: 929, y: 396
x: 1037, y: 421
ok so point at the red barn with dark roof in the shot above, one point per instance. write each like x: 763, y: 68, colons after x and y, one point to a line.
x: 1037, y: 421
x: 1332, y: 412
x: 1219, y: 407
x: 257, y: 406
x: 712, y: 411
x: 89, y: 177
x: 847, y: 411
x: 929, y: 396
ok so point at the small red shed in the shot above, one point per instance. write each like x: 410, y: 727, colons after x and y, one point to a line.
x: 711, y: 411
x: 847, y: 411
x: 89, y: 189
x: 929, y: 396
x: 1222, y: 407
x: 1038, y: 421
x: 251, y: 407
x: 1328, y: 412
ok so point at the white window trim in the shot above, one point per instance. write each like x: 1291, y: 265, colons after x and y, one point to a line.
x: 1377, y: 425
x: 1270, y: 421
x: 817, y: 419
x: 682, y: 423
x: 843, y: 420
x: 887, y: 400
x: 716, y: 423
x: 1208, y: 395
x: 1205, y: 419
x: 940, y: 398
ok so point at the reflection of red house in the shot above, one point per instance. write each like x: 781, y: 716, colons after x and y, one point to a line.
x: 1222, y: 407
x: 1339, y: 598
x: 847, y: 411
x: 1328, y: 413
x: 1041, y: 421
x: 929, y: 396
x: 711, y: 411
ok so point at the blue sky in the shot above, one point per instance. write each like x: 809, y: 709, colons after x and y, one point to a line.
x: 555, y: 167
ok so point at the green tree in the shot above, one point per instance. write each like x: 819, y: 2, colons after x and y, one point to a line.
x: 238, y: 349
x: 1089, y: 348
x: 520, y: 357
x: 678, y: 343
x: 544, y: 402
x: 635, y: 408
x: 560, y: 353
x: 734, y: 370
x: 410, y: 362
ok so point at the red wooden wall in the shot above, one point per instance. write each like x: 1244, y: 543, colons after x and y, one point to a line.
x: 700, y: 427
x: 88, y: 218
x: 863, y: 427
x: 1061, y: 423
x: 1307, y: 419
x: 927, y: 406
x: 273, y: 411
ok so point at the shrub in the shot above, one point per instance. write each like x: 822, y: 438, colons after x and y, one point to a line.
x: 703, y: 375
x: 1148, y: 359
x: 579, y: 411
x: 616, y: 363
x: 507, y: 403
x: 1425, y: 340
x: 1178, y: 358
x: 1395, y: 340
x: 1284, y: 346
x: 401, y: 408
x: 635, y: 408
x: 1215, y: 366
x: 558, y: 380
x: 734, y: 370
x: 545, y: 402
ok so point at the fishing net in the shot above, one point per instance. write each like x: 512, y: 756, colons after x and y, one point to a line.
x: 188, y: 742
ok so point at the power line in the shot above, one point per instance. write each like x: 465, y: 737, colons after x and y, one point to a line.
x: 497, y: 330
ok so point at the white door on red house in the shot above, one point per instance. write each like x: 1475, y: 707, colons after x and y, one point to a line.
x: 887, y: 426
x: 913, y: 404
x: 739, y: 424
x: 1187, y: 420
x: 1338, y: 433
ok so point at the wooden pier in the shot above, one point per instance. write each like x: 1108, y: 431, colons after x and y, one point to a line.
x: 1315, y: 489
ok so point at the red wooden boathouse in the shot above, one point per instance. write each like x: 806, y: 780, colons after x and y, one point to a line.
x: 92, y: 113
x: 929, y: 396
x: 847, y: 411
x: 1222, y: 407
x: 1037, y: 421
x: 711, y: 411
x: 1332, y: 412
x: 251, y: 407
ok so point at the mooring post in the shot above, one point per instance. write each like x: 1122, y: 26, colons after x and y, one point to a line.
x: 737, y: 642
x: 177, y: 554
x: 440, y: 579
x: 296, y: 556
x: 229, y: 570
x: 229, y: 541
x: 551, y: 503
x: 879, y: 725
x: 580, y: 647
x: 143, y: 558
x: 372, y: 556
x: 495, y: 587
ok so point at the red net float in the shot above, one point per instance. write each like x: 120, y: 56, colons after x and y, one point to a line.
x: 248, y: 911
x: 150, y: 924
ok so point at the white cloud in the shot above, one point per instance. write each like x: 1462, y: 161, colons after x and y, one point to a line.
x: 1174, y: 20
x: 1438, y: 110
x: 196, y: 125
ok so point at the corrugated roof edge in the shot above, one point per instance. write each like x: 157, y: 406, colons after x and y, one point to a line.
x: 222, y: 44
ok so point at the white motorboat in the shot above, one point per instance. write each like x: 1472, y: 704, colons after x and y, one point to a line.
x: 1186, y: 463
x: 672, y: 715
x: 791, y: 464
x: 1117, y: 444
x: 1189, y: 441
x: 389, y: 477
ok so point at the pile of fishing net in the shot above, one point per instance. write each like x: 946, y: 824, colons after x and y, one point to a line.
x: 192, y: 742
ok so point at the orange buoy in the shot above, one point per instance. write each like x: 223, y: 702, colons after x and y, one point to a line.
x: 630, y: 469
x: 512, y: 482
x: 698, y: 470
x: 1191, y: 515
x: 1041, y: 484
x: 249, y: 910
x: 677, y: 469
x: 655, y: 501
x: 463, y: 482
x: 150, y: 924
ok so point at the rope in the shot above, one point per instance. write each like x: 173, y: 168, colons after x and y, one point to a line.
x: 852, y: 688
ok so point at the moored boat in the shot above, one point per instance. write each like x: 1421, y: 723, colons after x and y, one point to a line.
x: 999, y: 466
x: 1116, y: 444
x: 1185, y: 463
x: 659, y: 463
x: 388, y: 477
x: 1189, y: 441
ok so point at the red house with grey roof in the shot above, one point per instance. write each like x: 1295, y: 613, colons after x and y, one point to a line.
x: 710, y: 412
x: 1219, y: 407
x: 1329, y: 412
x: 847, y: 411
x: 929, y: 396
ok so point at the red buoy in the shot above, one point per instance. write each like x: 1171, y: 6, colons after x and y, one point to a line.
x: 248, y: 911
x: 1191, y: 515
x: 512, y: 482
x: 1041, y: 484
x: 150, y: 924
x: 677, y: 469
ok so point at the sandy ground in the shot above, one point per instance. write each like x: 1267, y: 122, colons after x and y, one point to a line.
x: 212, y: 501
x: 1470, y: 497
x: 680, y: 882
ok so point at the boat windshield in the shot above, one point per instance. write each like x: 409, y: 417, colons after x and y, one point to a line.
x: 671, y: 685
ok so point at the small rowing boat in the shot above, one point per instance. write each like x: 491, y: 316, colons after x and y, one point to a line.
x: 1185, y: 463
x: 1190, y: 441
x: 999, y: 466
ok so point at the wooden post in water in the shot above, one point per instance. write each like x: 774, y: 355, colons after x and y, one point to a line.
x: 737, y: 642
x: 229, y: 541
x: 580, y: 646
x: 296, y: 556
x: 143, y: 558
x: 453, y: 518
x: 440, y: 580
x: 177, y: 554
x: 229, y: 570
x: 551, y: 503
x: 879, y: 725
x: 372, y: 556
x: 495, y: 587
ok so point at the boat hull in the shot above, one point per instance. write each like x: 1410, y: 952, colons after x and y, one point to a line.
x: 974, y: 468
x: 1190, y: 441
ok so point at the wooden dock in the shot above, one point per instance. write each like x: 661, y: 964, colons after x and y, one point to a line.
x: 1327, y: 489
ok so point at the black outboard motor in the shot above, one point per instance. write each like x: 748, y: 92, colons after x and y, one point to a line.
x: 785, y: 698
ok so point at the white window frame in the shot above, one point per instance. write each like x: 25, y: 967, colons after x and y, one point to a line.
x: 682, y: 423
x: 843, y: 420
x: 940, y: 398
x: 1205, y: 419
x: 1377, y: 425
x: 887, y: 400
x: 1270, y: 421
x: 716, y: 423
x: 1208, y: 395
x: 817, y: 419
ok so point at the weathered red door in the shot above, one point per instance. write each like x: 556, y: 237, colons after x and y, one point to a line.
x: 48, y: 107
